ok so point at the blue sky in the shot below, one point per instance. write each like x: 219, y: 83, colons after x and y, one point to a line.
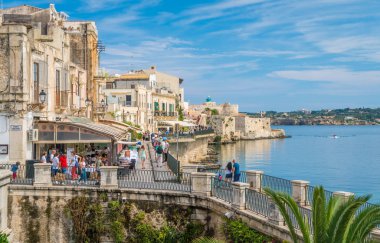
x: 264, y: 55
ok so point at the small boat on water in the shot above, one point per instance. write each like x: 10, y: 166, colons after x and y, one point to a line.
x: 334, y: 136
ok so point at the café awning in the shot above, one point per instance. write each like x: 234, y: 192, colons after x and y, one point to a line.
x: 78, y: 131
x: 181, y: 123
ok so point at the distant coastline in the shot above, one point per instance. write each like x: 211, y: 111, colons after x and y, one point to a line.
x: 339, y: 117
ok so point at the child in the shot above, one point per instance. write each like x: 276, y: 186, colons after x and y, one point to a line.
x: 14, y: 170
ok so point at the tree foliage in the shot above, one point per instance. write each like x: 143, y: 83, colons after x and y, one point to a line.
x: 335, y: 221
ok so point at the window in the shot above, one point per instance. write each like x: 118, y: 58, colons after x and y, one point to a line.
x: 163, y: 107
x: 156, y: 106
x: 128, y: 100
x: 36, y: 80
x: 57, y: 87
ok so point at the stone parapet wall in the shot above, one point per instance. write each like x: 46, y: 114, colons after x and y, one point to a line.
x: 48, y: 203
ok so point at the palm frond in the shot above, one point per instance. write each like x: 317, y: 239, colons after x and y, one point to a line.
x: 363, y: 224
x: 342, y: 217
x: 319, y: 215
x: 278, y: 200
x: 304, y: 227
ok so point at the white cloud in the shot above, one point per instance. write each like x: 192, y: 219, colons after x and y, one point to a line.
x: 333, y: 76
x: 211, y: 11
x: 97, y: 5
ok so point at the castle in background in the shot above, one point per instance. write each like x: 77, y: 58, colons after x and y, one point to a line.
x: 231, y: 125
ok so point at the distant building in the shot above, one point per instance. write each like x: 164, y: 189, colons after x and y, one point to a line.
x: 229, y: 124
x: 144, y: 97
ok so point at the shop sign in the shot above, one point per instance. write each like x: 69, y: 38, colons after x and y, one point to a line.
x: 15, y: 128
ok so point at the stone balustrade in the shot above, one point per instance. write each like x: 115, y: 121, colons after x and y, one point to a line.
x: 195, y: 188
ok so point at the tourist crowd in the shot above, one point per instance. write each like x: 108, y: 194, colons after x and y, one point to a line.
x: 75, y: 166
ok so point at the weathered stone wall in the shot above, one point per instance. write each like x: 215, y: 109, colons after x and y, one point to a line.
x: 41, y: 214
x: 4, y: 61
x: 190, y: 150
x: 224, y: 126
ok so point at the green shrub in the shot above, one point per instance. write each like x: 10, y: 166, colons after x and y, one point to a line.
x: 217, y: 139
x: 238, y: 231
x: 117, y: 231
x: 193, y: 230
x: 206, y: 240
x: 3, y: 238
x: 145, y: 233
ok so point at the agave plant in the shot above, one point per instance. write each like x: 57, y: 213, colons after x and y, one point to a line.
x: 335, y: 221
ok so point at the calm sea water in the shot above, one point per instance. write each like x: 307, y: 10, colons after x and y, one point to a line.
x: 350, y: 162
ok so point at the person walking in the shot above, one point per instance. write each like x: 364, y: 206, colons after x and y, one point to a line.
x: 236, y: 170
x: 159, y: 152
x: 229, y: 172
x: 55, y: 164
x: 142, y: 156
x: 166, y: 148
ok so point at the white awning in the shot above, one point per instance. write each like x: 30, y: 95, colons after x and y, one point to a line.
x: 181, y: 123
x: 125, y: 142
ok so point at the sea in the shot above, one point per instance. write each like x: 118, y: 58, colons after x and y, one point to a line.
x: 341, y: 158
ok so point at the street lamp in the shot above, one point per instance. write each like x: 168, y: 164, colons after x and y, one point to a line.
x: 42, y: 96
x: 88, y: 102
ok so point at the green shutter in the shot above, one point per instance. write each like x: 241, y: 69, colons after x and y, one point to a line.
x: 156, y: 106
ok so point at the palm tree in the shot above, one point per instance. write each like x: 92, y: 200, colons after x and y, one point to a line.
x: 336, y: 221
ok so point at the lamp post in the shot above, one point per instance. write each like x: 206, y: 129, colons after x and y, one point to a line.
x: 88, y: 103
x: 104, y: 106
x: 42, y: 96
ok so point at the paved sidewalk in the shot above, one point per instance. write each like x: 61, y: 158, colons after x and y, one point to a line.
x: 151, y: 155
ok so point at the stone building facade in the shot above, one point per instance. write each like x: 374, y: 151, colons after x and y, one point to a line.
x: 144, y: 97
x: 37, y: 57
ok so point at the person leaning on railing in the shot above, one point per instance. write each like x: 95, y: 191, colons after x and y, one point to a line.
x: 236, y: 170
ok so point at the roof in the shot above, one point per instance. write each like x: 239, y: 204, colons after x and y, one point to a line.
x: 119, y: 124
x: 133, y: 76
x: 113, y: 132
x: 21, y: 9
x: 181, y: 123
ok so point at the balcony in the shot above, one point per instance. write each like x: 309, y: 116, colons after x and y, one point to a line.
x: 128, y: 103
x: 165, y: 115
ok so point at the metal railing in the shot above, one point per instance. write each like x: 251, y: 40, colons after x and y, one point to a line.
x: 222, y: 172
x: 257, y: 202
x: 310, y: 195
x: 173, y: 164
x: 155, y: 180
x: 24, y: 174
x: 277, y: 184
x: 91, y: 179
x: 204, y: 132
x: 222, y: 190
x: 306, y: 215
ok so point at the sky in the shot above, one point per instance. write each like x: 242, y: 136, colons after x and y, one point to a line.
x: 280, y: 55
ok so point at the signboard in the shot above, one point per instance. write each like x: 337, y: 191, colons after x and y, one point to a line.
x: 15, y: 128
x: 69, y: 156
x: 3, y: 148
